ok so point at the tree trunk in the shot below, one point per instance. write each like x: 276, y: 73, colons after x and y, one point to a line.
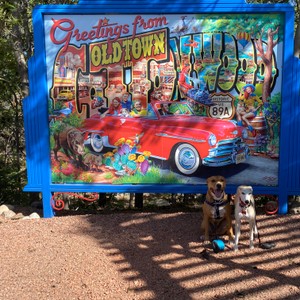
x: 267, y: 81
x: 266, y: 56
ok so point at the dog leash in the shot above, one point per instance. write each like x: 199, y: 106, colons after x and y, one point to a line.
x: 266, y: 245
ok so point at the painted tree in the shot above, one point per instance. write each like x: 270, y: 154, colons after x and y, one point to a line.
x: 296, y: 4
x: 264, y: 30
x: 266, y: 55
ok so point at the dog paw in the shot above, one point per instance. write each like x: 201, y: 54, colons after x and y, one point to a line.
x: 204, y: 239
x: 206, y: 242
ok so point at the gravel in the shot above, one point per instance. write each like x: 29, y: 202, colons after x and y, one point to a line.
x: 150, y: 255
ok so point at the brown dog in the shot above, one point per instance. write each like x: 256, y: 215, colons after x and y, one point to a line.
x: 217, y: 219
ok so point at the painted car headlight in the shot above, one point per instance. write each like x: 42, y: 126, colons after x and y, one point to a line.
x: 212, y: 140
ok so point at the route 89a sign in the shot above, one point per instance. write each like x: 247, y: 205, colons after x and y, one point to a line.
x: 223, y: 107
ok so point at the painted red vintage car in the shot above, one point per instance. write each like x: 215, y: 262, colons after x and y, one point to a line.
x: 186, y: 140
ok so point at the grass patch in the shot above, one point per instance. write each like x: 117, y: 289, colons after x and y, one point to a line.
x: 152, y: 176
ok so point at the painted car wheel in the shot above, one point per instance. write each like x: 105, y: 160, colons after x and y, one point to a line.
x: 96, y: 142
x: 186, y: 159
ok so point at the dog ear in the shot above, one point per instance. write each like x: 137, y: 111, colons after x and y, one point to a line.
x: 252, y: 197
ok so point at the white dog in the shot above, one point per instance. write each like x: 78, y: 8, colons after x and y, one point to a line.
x: 244, y: 209
x: 124, y: 113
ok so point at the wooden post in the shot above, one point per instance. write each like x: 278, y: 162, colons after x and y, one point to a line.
x: 138, y: 200
x: 102, y: 199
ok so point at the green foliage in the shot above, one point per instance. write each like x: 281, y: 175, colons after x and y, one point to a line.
x: 255, y: 24
x: 153, y: 175
x: 16, y: 47
x: 72, y: 120
x: 108, y: 175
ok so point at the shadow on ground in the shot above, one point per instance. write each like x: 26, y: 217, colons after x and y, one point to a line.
x: 161, y: 257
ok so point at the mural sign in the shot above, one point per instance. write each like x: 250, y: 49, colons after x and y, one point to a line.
x: 164, y: 99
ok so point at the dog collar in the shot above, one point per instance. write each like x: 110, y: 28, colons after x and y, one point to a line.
x: 243, y: 206
x: 243, y: 211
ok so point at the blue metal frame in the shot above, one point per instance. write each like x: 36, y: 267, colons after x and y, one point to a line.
x: 36, y: 108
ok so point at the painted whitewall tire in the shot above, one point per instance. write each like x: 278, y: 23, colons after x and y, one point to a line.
x: 96, y: 142
x: 186, y: 159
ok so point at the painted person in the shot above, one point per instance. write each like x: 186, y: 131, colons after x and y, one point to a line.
x: 138, y: 110
x: 114, y: 108
x: 126, y: 101
x: 165, y: 109
x: 248, y: 105
x: 183, y: 85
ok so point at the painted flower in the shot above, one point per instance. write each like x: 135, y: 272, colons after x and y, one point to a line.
x: 126, y: 148
x: 67, y: 169
x: 119, y: 142
x: 147, y: 153
x: 132, y: 157
x: 144, y: 167
x: 55, y: 169
x: 129, y: 142
x: 108, y: 154
x: 140, y: 158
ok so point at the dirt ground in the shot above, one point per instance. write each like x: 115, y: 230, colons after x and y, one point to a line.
x: 144, y: 255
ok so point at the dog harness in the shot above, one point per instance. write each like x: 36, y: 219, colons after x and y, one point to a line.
x: 217, y: 205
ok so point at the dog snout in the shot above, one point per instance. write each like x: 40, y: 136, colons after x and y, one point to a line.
x: 247, y: 202
x: 219, y: 186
